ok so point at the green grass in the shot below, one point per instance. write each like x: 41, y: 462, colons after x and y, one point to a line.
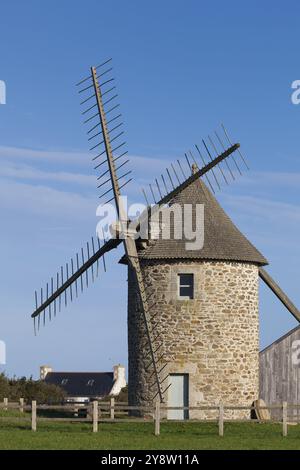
x: 61, y: 435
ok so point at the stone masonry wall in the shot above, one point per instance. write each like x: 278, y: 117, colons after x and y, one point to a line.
x: 214, y: 337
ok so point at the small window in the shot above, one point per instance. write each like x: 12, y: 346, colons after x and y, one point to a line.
x: 90, y: 382
x: 186, y: 286
x: 64, y: 381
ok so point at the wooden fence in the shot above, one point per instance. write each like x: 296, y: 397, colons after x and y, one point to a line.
x: 111, y: 411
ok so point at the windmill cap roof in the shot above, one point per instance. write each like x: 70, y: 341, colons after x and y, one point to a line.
x: 223, y: 241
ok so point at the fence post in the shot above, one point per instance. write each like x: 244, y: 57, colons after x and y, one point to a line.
x: 33, y: 416
x: 95, y: 416
x: 157, y: 418
x: 112, y: 408
x: 284, y: 419
x: 5, y: 402
x: 221, y: 420
x: 21, y: 405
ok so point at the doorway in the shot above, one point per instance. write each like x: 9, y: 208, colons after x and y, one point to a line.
x: 178, y: 395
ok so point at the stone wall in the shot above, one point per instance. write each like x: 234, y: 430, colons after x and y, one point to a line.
x: 214, y: 337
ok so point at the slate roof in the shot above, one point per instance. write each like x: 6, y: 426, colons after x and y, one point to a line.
x: 222, y: 239
x: 82, y: 384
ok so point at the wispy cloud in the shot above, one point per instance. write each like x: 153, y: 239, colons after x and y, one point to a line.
x: 265, y: 179
x: 265, y: 209
x: 22, y: 178
x: 145, y: 167
x: 33, y: 164
x: 71, y: 157
x: 26, y: 172
x: 44, y: 201
x: 74, y: 157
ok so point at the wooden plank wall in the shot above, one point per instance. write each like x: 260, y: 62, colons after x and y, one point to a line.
x: 279, y: 378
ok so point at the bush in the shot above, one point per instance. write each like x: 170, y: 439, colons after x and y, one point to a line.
x: 29, y: 389
x: 4, y: 387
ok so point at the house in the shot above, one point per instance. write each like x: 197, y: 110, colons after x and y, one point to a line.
x: 83, y: 387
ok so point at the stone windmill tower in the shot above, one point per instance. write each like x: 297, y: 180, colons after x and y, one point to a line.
x: 205, y: 307
x: 192, y: 313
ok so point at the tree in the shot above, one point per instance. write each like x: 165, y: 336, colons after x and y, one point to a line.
x: 29, y: 389
x: 4, y: 387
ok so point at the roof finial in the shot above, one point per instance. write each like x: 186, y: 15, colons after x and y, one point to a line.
x: 194, y: 168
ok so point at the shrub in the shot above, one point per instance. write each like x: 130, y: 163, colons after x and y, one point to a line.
x: 29, y: 389
x: 4, y: 387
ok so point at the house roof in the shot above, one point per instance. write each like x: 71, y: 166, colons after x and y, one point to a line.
x: 222, y: 239
x: 82, y: 384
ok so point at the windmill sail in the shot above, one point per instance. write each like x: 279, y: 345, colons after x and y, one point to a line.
x: 128, y: 241
x: 70, y: 277
x: 284, y: 299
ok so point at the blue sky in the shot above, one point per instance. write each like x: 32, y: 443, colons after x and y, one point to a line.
x: 182, y: 68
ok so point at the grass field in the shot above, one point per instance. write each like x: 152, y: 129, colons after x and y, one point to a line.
x: 112, y: 436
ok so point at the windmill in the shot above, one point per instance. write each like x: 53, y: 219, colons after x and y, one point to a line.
x: 105, y: 134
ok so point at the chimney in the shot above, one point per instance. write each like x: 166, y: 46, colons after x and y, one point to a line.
x: 44, y: 371
x: 119, y: 380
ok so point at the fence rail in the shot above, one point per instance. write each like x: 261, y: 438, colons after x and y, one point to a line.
x: 112, y: 411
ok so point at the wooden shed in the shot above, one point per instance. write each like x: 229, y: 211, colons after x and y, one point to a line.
x: 280, y: 372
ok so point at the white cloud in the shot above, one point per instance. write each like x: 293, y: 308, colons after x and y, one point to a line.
x: 26, y: 172
x: 265, y: 209
x: 263, y: 179
x: 20, y: 163
x: 45, y: 201
x: 145, y: 166
x: 44, y: 198
x: 72, y: 157
x: 75, y: 157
